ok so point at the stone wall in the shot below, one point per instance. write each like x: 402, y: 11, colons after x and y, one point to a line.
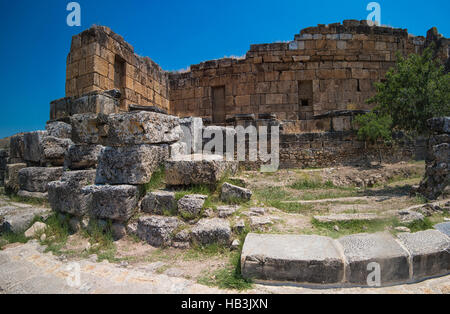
x: 101, y: 60
x: 324, y: 69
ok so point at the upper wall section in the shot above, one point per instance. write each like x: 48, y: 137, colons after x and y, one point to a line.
x: 101, y: 60
x: 325, y: 68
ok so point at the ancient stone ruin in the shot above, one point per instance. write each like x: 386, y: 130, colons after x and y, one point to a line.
x: 124, y: 119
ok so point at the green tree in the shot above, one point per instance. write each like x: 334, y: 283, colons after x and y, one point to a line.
x: 375, y: 129
x: 415, y: 90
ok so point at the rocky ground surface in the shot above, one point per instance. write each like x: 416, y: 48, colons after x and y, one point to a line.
x: 308, y: 201
x: 24, y: 268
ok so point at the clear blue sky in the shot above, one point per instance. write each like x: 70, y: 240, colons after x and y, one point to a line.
x: 35, y: 38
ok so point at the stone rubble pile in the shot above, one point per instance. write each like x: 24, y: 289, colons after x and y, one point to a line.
x: 437, y: 176
x: 112, y: 158
x: 36, y: 159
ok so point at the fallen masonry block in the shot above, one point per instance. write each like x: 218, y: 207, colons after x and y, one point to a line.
x: 214, y: 230
x: 66, y: 196
x: 190, y: 206
x: 59, y: 129
x: 105, y: 102
x: 36, y: 179
x: 33, y: 146
x: 132, y: 128
x: 292, y: 258
x: 158, y: 202
x: 430, y: 253
x: 12, y: 177
x: 232, y: 193
x: 360, y: 250
x: 130, y: 164
x: 19, y: 220
x: 141, y: 127
x: 226, y: 211
x: 198, y: 169
x: 115, y: 202
x: 80, y: 157
x: 157, y: 230
x: 444, y: 228
x: 16, y: 149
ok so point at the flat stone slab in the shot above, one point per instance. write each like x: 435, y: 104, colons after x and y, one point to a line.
x: 347, y: 217
x: 18, y: 220
x: 444, y: 228
x: 362, y: 249
x: 296, y: 258
x: 430, y: 253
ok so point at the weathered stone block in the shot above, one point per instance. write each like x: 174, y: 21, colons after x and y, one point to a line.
x: 33, y: 146
x: 362, y: 249
x: 232, y: 193
x: 81, y: 156
x: 292, y: 258
x: 36, y: 179
x: 158, y: 202
x: 141, y: 127
x: 133, y: 128
x: 157, y: 230
x: 16, y: 148
x: 115, y: 202
x: 12, y: 177
x: 198, y: 169
x: 190, y: 206
x: 215, y: 230
x: 59, y: 129
x: 19, y: 220
x: 444, y: 228
x: 66, y: 196
x: 430, y: 253
x: 130, y: 164
x: 54, y: 150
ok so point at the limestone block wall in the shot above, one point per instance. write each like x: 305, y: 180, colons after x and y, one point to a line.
x: 101, y: 60
x: 325, y: 68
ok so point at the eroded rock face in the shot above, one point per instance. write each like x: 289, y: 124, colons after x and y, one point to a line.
x: 191, y: 206
x: 198, y: 169
x: 159, y: 201
x: 81, y: 157
x: 115, y: 202
x: 132, y: 128
x: 36, y: 179
x: 214, y: 230
x: 232, y: 193
x: 157, y: 230
x: 437, y: 176
x: 66, y: 196
x: 130, y: 164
